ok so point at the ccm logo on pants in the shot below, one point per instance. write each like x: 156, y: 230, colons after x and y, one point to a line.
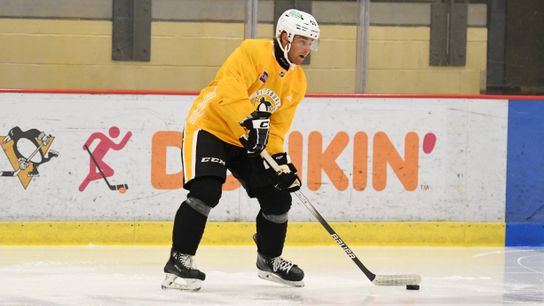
x: 212, y: 160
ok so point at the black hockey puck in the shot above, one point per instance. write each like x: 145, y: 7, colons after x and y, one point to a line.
x: 412, y: 287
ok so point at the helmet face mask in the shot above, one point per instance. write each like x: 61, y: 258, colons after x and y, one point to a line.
x: 294, y: 22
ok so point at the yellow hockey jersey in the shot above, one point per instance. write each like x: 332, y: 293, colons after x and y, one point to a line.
x: 250, y: 73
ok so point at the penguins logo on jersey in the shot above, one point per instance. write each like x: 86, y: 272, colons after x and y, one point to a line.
x: 267, y: 96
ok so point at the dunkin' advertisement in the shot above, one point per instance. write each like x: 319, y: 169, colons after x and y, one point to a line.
x: 116, y: 157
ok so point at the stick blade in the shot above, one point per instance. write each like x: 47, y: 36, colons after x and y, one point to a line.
x: 397, y: 280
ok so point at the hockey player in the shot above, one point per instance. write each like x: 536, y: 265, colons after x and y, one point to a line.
x: 247, y: 108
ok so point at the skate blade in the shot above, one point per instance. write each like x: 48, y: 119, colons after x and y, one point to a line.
x: 171, y: 281
x: 269, y: 276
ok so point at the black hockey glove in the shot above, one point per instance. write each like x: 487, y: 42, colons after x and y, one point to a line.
x: 287, y: 178
x: 258, y: 126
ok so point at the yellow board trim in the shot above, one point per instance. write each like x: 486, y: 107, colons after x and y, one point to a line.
x: 239, y: 233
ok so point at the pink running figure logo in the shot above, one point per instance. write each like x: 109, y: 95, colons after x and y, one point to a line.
x: 96, y: 161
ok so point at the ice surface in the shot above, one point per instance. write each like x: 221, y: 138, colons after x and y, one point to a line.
x: 131, y: 275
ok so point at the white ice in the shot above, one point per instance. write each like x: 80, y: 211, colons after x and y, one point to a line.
x: 131, y: 275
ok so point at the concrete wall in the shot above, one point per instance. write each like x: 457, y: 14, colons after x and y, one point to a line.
x: 76, y: 54
x: 67, y: 44
x: 398, y: 62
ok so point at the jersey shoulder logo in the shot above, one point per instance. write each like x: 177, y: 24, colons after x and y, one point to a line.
x: 263, y: 77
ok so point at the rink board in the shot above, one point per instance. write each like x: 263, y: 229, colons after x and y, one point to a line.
x: 363, y: 160
x: 525, y: 175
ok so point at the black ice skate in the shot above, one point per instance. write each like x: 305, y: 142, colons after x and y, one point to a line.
x: 181, y: 273
x: 279, y: 270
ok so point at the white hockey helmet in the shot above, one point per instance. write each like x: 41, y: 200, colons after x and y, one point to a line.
x: 295, y: 22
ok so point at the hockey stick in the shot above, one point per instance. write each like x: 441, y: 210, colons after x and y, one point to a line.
x: 121, y: 187
x: 10, y: 173
x: 411, y: 281
x: 15, y: 173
